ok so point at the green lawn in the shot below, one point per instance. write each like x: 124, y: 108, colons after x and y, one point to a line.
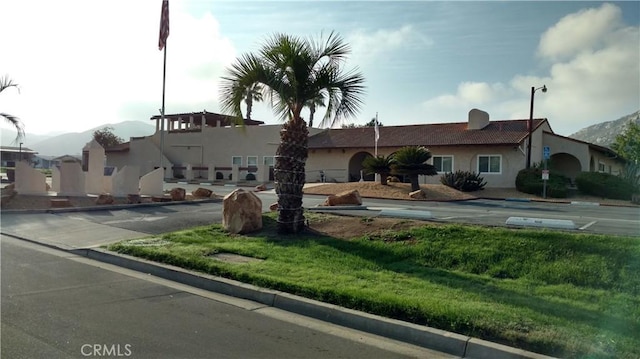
x: 557, y: 293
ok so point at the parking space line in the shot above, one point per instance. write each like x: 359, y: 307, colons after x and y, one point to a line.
x: 588, y: 225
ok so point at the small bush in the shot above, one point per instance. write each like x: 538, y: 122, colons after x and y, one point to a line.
x: 178, y: 176
x: 604, y: 185
x: 530, y: 181
x: 250, y: 177
x: 464, y: 181
x: 219, y: 175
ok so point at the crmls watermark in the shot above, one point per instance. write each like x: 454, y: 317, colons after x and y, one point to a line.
x: 106, y: 350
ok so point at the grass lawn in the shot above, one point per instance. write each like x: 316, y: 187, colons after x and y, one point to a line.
x: 557, y: 293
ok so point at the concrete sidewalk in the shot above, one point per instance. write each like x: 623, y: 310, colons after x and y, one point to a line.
x: 79, y: 236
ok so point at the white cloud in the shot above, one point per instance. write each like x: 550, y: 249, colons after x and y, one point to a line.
x: 597, y: 77
x: 579, y: 32
x: 368, y: 47
x: 468, y: 95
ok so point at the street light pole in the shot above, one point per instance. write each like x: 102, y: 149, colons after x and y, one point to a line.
x: 533, y: 91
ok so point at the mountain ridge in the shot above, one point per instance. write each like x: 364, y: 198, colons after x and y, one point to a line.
x: 72, y: 143
x: 605, y: 133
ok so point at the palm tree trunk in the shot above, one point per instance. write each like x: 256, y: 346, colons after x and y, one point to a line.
x: 289, y: 174
x: 414, y: 182
x: 383, y: 178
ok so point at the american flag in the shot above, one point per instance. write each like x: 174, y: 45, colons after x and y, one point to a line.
x: 164, y: 24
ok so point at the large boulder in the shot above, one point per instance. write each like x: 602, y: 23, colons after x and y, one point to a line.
x: 202, y: 193
x: 345, y: 198
x: 419, y: 194
x: 241, y: 212
x: 104, y: 199
x: 177, y: 194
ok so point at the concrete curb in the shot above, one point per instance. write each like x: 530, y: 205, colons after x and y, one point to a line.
x: 431, y: 338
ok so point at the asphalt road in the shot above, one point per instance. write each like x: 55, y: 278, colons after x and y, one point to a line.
x: 588, y: 218
x: 58, y: 305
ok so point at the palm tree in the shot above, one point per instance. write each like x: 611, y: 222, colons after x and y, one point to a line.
x: 293, y: 71
x: 380, y: 165
x: 410, y: 161
x: 5, y: 83
x: 313, y: 104
x: 250, y: 93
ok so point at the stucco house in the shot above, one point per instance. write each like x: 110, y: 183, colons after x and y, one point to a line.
x: 496, y: 149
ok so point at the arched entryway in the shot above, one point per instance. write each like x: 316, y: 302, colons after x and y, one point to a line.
x: 355, y: 166
x: 565, y: 164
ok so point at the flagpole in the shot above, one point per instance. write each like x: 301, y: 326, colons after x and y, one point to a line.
x: 376, y: 136
x: 162, y: 43
x: 164, y: 75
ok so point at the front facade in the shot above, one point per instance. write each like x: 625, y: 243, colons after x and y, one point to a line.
x: 495, y: 149
x: 201, y: 140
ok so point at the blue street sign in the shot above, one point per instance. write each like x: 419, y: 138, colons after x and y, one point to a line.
x: 546, y: 152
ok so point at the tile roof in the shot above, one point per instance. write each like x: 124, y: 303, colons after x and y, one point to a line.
x: 507, y: 132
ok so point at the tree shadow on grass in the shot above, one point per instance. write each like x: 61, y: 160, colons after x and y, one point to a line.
x: 484, y: 287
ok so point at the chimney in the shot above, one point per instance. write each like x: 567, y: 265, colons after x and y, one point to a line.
x: 477, y: 119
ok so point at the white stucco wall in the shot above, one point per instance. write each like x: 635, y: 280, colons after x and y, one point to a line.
x: 212, y: 145
x: 335, y: 162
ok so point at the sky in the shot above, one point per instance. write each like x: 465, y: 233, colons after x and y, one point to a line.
x: 80, y: 64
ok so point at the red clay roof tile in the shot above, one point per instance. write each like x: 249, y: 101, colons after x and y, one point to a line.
x: 508, y: 132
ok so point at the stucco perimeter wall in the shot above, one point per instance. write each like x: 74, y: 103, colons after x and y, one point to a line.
x: 143, y: 153
x: 335, y: 162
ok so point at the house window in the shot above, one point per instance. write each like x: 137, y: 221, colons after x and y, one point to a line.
x: 268, y: 161
x: 443, y: 163
x: 490, y: 164
x: 236, y: 160
x: 252, y: 161
x: 600, y: 167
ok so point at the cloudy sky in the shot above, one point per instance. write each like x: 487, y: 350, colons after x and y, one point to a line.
x: 81, y: 64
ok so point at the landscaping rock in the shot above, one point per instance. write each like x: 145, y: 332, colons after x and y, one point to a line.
x: 419, y: 194
x: 160, y: 199
x: 241, y: 212
x: 104, y: 199
x: 202, y: 193
x: 345, y: 198
x: 178, y: 194
x: 261, y: 187
x: 133, y: 198
x: 273, y: 207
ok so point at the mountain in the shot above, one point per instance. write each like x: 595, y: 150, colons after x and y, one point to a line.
x: 604, y: 134
x: 8, y: 137
x: 72, y: 143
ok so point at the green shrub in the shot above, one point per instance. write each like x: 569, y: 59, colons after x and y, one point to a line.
x: 250, y: 177
x: 604, y: 185
x: 464, y: 181
x: 530, y: 181
x: 219, y: 175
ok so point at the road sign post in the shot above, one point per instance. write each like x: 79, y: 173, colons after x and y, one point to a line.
x: 546, y: 154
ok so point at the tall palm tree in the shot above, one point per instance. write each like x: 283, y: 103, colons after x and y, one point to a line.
x: 411, y: 161
x: 250, y: 93
x: 292, y: 71
x: 5, y: 83
x: 313, y: 104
